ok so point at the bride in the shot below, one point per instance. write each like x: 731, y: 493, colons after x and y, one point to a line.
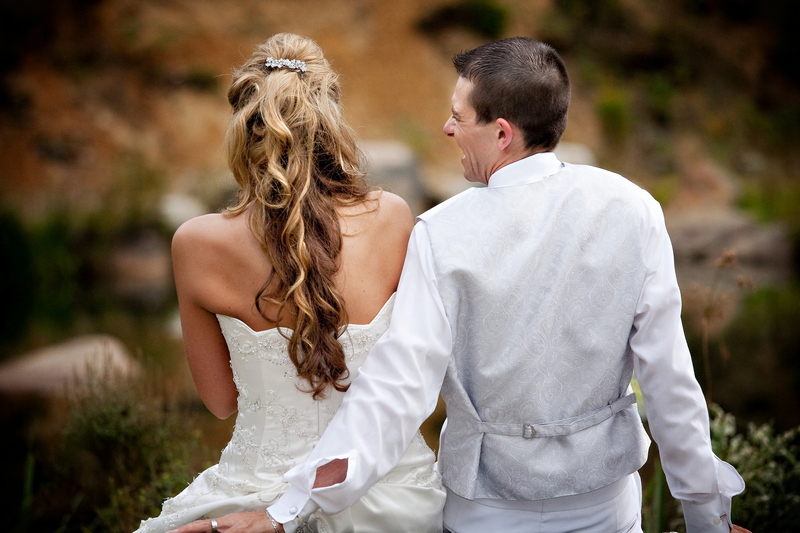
x: 281, y: 297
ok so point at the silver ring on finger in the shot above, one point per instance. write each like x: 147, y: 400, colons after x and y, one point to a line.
x: 214, y: 526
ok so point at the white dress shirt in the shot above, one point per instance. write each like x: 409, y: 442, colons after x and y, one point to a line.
x: 398, y: 385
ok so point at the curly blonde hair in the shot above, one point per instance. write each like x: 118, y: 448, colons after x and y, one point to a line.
x: 295, y: 160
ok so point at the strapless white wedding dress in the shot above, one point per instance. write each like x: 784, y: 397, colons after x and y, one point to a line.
x: 278, y: 426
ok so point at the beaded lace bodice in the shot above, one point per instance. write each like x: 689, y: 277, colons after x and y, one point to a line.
x: 278, y: 423
x: 277, y: 427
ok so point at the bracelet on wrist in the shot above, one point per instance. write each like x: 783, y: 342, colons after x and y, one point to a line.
x: 272, y: 521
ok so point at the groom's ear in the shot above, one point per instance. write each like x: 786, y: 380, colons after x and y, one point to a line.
x: 505, y: 133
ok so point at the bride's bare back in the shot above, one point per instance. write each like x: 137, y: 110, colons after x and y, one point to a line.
x: 220, y: 268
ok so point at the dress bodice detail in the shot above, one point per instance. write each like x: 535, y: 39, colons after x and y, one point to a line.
x: 277, y: 427
x: 278, y: 421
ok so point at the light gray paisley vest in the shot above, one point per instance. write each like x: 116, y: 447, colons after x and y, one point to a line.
x: 540, y: 284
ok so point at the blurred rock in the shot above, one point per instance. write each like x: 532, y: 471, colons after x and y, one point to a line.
x: 703, y: 235
x: 751, y: 162
x: 141, y: 270
x: 444, y: 184
x: 177, y: 208
x: 703, y: 182
x: 173, y: 326
x: 54, y: 369
x: 720, y: 255
x: 394, y: 167
x: 575, y: 153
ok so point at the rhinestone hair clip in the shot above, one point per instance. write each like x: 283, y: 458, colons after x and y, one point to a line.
x: 286, y: 63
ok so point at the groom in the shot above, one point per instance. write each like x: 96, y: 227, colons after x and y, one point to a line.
x: 530, y: 302
x: 536, y: 297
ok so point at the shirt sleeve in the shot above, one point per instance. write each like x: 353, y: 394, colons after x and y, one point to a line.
x: 396, y: 389
x: 675, y: 405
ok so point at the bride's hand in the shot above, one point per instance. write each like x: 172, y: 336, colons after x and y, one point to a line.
x: 250, y: 522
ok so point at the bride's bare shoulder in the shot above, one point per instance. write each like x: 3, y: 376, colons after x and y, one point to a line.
x: 395, y: 218
x: 200, y: 234
x: 394, y: 206
x: 391, y: 211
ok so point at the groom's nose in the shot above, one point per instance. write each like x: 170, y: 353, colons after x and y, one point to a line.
x: 449, y: 126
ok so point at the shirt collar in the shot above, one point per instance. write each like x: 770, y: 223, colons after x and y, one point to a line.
x: 528, y: 170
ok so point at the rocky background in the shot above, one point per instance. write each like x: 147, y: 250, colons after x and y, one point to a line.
x: 112, y: 115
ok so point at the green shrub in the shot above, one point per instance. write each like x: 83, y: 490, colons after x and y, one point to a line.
x: 125, y: 448
x: 769, y: 463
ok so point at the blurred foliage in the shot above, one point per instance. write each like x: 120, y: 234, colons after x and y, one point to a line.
x: 673, y: 66
x: 665, y: 188
x: 769, y: 463
x: 68, y: 35
x: 660, y: 94
x: 56, y: 268
x: 202, y: 79
x: 40, y: 274
x: 780, y: 15
x: 674, y: 42
x: 125, y: 448
x: 31, y: 25
x: 16, y: 280
x: 135, y: 191
x: 778, y: 127
x: 614, y: 113
x: 415, y: 136
x: 484, y: 17
x: 55, y: 272
x: 768, y: 324
x: 762, y: 340
x: 591, y: 27
x: 776, y: 201
x: 608, y: 15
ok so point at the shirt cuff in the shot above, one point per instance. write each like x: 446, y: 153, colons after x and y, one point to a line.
x: 291, y: 511
x: 714, y: 514
x: 295, y: 505
x: 710, y: 517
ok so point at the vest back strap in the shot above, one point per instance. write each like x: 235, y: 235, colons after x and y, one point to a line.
x: 559, y: 427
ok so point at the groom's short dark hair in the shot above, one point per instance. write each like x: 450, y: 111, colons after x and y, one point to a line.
x: 523, y: 81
